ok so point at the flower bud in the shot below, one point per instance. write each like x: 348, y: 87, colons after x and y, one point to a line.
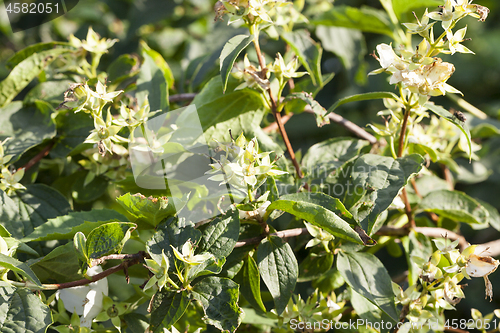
x: 112, y: 311
x: 435, y: 258
x: 461, y: 261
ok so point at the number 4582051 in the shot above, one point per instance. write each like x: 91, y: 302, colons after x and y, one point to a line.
x: 32, y: 8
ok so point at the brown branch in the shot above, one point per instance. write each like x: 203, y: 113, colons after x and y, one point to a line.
x: 404, y: 197
x: 281, y: 234
x: 350, y: 126
x: 274, y: 126
x: 427, y: 231
x: 132, y: 259
x: 448, y: 177
x: 101, y: 260
x: 404, y: 194
x: 493, y: 248
x: 44, y: 152
x: 182, y: 97
x: 274, y: 109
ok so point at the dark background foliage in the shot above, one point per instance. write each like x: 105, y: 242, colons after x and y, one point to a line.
x: 185, y: 33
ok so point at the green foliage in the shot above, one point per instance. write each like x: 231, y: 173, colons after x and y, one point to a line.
x: 229, y: 55
x: 279, y: 270
x: 22, y: 311
x: 100, y: 203
x: 367, y: 276
x: 107, y: 239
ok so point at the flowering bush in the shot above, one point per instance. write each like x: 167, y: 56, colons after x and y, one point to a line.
x: 111, y: 164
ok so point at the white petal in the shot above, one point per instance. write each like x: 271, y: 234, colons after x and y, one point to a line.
x: 386, y: 54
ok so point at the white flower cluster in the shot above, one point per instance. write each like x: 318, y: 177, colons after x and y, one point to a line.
x: 243, y: 165
x: 419, y: 71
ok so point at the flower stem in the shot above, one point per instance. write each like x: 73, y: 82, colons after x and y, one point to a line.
x: 404, y: 194
x: 274, y: 106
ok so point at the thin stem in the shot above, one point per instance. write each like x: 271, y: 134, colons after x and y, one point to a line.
x: 38, y: 157
x: 404, y: 194
x: 274, y: 105
x: 133, y: 260
x: 96, y: 58
x: 181, y: 97
x: 281, y: 234
x: 250, y: 192
x: 403, y: 130
x: 427, y: 231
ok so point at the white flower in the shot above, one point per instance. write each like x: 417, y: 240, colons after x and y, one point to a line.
x: 255, y: 214
x: 86, y: 300
x: 188, y: 255
x: 481, y: 265
x: 391, y: 63
x: 102, y: 94
x: 454, y: 41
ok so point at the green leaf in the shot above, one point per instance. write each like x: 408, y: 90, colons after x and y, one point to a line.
x: 456, y: 206
x: 347, y: 44
x: 27, y: 127
x: 22, y: 311
x: 148, y: 211
x: 362, y: 97
x: 21, y: 214
x: 314, y: 266
x: 376, y: 181
x: 60, y: 265
x: 324, y: 157
x: 219, y: 298
x: 229, y: 54
x: 403, y: 6
x: 494, y: 216
x: 308, y: 51
x: 249, y: 280
x: 365, y: 19
x: 25, y: 72
x: 442, y: 112
x: 365, y: 274
x: 18, y: 267
x: 166, y: 308
x: 36, y: 48
x: 73, y: 129
x: 278, y: 268
x: 308, y: 99
x: 174, y: 231
x: 220, y: 236
x: 80, y: 245
x: 368, y: 311
x: 241, y: 110
x: 65, y: 227
x: 108, y: 238
x: 209, y: 267
x: 320, y: 199
x: 152, y: 84
x: 136, y: 322
x: 124, y: 67
x: 309, y: 209
x: 417, y: 148
x: 161, y: 63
